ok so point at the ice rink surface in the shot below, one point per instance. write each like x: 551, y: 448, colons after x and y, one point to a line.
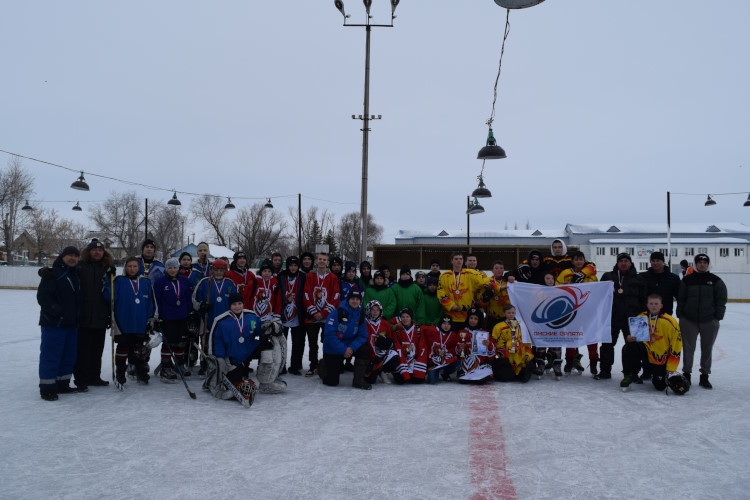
x: 574, y: 438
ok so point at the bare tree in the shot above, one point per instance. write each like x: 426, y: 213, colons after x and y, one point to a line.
x: 210, y: 212
x: 69, y: 233
x: 349, y: 234
x: 315, y: 224
x: 43, y: 226
x: 260, y: 231
x: 165, y: 223
x: 16, y: 184
x: 121, y: 218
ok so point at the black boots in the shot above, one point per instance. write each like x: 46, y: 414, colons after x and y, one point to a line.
x: 704, y: 382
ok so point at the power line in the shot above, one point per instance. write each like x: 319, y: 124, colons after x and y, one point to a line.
x: 157, y: 188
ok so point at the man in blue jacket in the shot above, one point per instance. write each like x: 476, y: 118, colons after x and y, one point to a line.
x: 344, y: 337
x: 59, y: 295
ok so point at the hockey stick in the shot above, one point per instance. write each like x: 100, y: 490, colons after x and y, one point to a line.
x: 177, y: 365
x: 112, y: 320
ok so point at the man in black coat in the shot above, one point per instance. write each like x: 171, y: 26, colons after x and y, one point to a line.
x: 59, y: 295
x: 661, y: 281
x: 629, y: 300
x: 94, y: 267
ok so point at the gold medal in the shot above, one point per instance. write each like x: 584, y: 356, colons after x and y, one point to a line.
x: 620, y: 290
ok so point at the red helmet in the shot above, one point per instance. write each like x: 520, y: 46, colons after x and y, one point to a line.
x: 219, y: 264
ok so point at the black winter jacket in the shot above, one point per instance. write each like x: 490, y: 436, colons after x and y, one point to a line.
x: 59, y: 295
x: 665, y: 284
x: 95, y: 309
x: 632, y: 300
x: 702, y: 297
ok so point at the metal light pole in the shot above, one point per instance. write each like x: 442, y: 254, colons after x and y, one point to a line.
x: 366, y: 117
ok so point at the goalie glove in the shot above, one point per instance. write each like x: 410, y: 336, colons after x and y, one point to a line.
x: 578, y: 277
x: 154, y: 339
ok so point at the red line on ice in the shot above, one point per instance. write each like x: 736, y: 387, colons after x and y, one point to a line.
x: 488, y: 461
x: 721, y: 354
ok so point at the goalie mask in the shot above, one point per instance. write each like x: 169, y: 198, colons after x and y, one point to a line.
x: 247, y: 389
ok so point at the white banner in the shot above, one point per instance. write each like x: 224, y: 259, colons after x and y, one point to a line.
x: 565, y: 315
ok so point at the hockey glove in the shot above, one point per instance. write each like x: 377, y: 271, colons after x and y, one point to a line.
x: 487, y: 295
x: 578, y: 277
x: 383, y: 343
x: 524, y: 270
x: 111, y: 271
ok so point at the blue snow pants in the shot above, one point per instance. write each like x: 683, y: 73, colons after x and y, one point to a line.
x: 57, y: 357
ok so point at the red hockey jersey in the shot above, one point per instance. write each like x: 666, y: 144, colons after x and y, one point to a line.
x: 322, y: 295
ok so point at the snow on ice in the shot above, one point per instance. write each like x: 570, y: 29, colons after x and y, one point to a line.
x: 574, y: 438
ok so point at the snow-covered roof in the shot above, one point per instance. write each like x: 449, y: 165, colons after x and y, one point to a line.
x: 657, y: 227
x: 675, y: 241
x: 217, y: 251
x: 458, y: 233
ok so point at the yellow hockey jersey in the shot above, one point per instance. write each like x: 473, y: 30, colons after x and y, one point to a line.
x: 459, y: 290
x: 665, y: 346
x: 509, y: 344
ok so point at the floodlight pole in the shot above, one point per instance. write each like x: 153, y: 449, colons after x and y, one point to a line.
x: 468, y: 219
x: 365, y: 117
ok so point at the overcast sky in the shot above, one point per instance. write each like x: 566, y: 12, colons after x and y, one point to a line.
x: 603, y: 106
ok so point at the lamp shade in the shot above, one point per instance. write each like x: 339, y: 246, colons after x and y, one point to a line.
x: 709, y: 202
x: 481, y: 191
x: 229, y: 205
x: 77, y: 207
x: 80, y: 184
x: 268, y: 204
x: 491, y: 151
x: 174, y: 201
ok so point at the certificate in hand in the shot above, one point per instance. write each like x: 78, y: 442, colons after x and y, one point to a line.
x: 639, y: 328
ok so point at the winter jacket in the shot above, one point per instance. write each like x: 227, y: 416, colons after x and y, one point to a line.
x: 347, y: 286
x: 95, y: 309
x: 632, y: 301
x: 702, y: 297
x: 493, y: 300
x: 204, y: 271
x: 527, y: 274
x: 386, y: 297
x: 166, y: 293
x: 345, y: 327
x: 133, y: 304
x: 409, y: 294
x: 433, y: 311
x: 665, y: 284
x: 225, y: 336
x: 59, y: 295
x: 557, y: 264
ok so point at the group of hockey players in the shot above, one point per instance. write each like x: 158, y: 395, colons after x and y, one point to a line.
x: 219, y: 316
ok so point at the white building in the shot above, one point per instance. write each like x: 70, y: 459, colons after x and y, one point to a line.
x: 726, y: 244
